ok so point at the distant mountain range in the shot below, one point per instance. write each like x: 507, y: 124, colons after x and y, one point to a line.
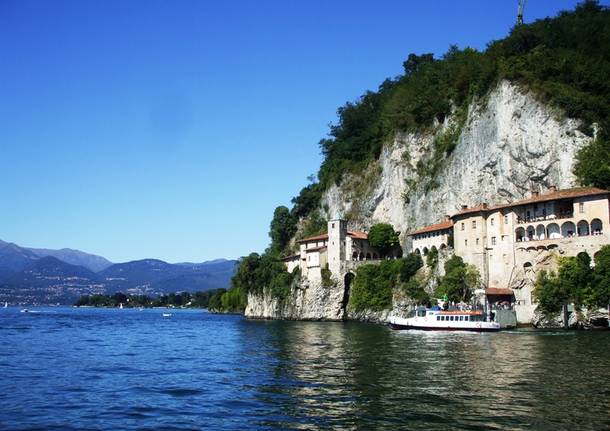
x: 43, y: 276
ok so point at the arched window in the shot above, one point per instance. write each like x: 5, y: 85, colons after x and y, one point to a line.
x: 531, y: 233
x: 568, y: 229
x: 368, y: 256
x: 552, y: 231
x: 519, y: 234
x: 375, y: 256
x: 417, y: 251
x: 596, y: 226
x: 355, y: 256
x: 443, y: 246
x: 361, y: 256
x: 582, y: 228
x: 527, y: 265
x: 541, y: 231
x: 425, y: 251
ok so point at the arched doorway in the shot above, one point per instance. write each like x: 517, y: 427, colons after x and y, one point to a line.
x: 596, y: 226
x: 568, y: 229
x: 347, y: 285
x: 553, y: 231
x: 582, y: 228
x: 541, y: 231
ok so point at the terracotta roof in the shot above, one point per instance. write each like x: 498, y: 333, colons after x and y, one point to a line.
x: 316, y: 249
x: 314, y: 238
x: 357, y: 234
x: 550, y: 196
x: 498, y: 291
x: 291, y: 257
x: 447, y: 224
x: 324, y: 236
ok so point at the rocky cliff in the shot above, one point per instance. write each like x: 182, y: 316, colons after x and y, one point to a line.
x: 509, y: 144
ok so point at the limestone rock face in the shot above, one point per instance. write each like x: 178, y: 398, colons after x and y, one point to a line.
x: 308, y: 300
x: 509, y: 144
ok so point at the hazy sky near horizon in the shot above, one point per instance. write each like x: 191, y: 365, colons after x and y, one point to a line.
x: 172, y: 129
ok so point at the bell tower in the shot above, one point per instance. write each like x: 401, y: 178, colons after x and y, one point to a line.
x: 337, y: 231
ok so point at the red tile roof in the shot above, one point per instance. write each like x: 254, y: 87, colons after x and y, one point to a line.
x: 447, y: 224
x: 550, y: 196
x: 291, y: 257
x: 321, y: 237
x: 321, y: 248
x: 324, y: 236
x: 357, y: 235
x: 498, y: 291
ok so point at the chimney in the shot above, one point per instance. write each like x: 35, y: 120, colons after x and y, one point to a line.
x: 464, y: 207
x: 447, y: 217
x: 552, y: 189
x: 485, y: 205
x: 535, y: 193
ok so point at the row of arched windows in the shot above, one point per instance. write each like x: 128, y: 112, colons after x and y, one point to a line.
x: 553, y: 231
x: 374, y: 256
x: 425, y: 250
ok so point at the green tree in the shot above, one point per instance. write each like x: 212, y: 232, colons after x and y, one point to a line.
x: 282, y: 228
x: 459, y: 281
x: 409, y: 265
x: 372, y: 286
x: 432, y: 257
x: 383, y: 237
x: 599, y: 293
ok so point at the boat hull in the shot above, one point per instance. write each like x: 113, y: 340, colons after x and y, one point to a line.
x: 397, y: 327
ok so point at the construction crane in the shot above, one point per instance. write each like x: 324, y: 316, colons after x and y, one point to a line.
x: 520, y: 12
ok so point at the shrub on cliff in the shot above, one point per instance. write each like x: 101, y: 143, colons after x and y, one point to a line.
x: 575, y: 283
x: 383, y: 237
x: 372, y: 286
x: 459, y: 281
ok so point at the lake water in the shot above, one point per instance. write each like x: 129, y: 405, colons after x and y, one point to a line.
x: 64, y: 368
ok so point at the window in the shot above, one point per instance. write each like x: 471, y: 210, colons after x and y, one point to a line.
x: 332, y: 225
x: 466, y: 242
x: 461, y: 318
x: 438, y: 317
x: 505, y: 219
x: 581, y: 207
x: 466, y: 318
x: 462, y: 226
x: 504, y: 237
x: 491, y: 222
x: 477, y: 241
x: 474, y: 224
x: 493, y: 240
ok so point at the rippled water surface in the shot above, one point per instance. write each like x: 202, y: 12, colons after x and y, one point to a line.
x: 128, y: 369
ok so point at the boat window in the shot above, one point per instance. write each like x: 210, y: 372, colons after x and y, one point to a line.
x: 461, y: 318
x: 450, y: 317
x: 466, y: 318
x: 421, y: 313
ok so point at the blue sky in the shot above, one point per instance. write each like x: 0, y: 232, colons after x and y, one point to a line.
x: 172, y: 129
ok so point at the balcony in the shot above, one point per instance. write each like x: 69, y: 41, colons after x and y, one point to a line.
x: 556, y: 216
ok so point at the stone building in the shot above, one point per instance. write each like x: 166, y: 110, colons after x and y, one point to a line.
x: 333, y: 248
x: 509, y: 242
x: 436, y: 236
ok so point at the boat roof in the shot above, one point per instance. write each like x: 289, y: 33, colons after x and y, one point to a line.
x: 463, y: 312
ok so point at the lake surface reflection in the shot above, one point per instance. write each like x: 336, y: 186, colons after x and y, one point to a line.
x: 128, y: 369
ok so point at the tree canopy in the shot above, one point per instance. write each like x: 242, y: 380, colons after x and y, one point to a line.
x: 383, y: 237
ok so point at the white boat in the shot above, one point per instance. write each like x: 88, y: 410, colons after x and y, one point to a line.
x: 25, y: 310
x: 121, y: 305
x: 6, y: 305
x: 440, y: 320
x: 167, y: 314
